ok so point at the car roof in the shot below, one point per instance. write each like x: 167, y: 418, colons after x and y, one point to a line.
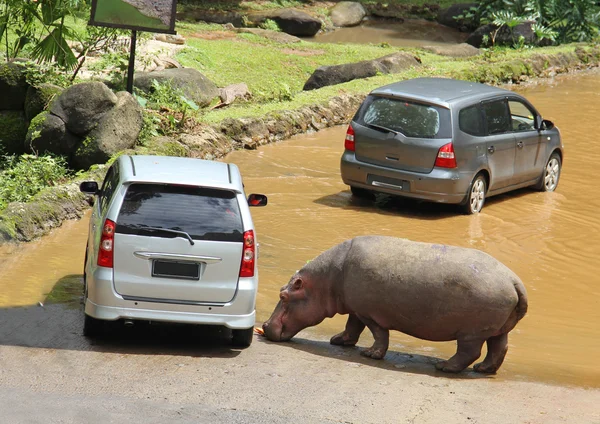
x: 181, y: 171
x: 440, y: 91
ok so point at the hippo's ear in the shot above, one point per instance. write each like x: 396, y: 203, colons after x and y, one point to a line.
x: 297, y: 284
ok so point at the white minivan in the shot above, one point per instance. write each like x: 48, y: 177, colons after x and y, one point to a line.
x: 171, y: 239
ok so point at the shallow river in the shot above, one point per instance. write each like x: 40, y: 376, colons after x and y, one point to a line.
x: 410, y: 33
x: 551, y: 240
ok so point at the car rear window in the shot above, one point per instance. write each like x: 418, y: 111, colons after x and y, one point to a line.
x: 203, y: 213
x: 410, y: 118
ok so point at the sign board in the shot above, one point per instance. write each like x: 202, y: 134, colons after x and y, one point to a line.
x: 140, y: 15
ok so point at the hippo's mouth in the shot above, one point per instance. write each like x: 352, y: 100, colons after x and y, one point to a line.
x: 275, y: 330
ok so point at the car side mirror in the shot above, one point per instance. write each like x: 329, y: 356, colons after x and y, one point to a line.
x: 544, y: 124
x: 89, y: 187
x: 257, y: 200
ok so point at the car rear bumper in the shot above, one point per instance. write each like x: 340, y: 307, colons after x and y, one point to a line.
x: 440, y: 185
x: 105, y: 303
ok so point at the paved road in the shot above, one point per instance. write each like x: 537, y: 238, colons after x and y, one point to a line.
x: 49, y: 373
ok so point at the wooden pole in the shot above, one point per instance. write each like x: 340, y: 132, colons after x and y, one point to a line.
x: 131, y: 66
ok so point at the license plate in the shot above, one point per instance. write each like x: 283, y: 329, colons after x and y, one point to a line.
x: 176, y: 269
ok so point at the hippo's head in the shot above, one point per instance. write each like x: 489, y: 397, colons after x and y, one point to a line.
x: 297, y: 309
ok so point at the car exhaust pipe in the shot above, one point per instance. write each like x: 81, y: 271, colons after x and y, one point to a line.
x: 128, y: 323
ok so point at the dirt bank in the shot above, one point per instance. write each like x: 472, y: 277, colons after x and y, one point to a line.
x: 24, y: 222
x: 51, y: 374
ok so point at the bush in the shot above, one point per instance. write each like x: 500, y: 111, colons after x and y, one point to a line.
x: 21, y: 177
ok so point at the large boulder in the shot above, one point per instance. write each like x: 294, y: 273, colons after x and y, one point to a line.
x: 504, y: 36
x: 337, y: 74
x: 13, y: 128
x: 191, y: 82
x: 48, y: 134
x: 82, y: 106
x: 449, y: 16
x: 39, y: 97
x: 454, y: 50
x: 214, y: 16
x: 13, y: 86
x: 117, y: 130
x: 290, y: 21
x: 347, y: 13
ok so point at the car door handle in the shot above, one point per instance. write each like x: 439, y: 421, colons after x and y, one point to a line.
x: 491, y: 149
x: 520, y: 144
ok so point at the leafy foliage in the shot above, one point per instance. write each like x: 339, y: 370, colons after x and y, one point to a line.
x: 562, y: 21
x: 21, y: 177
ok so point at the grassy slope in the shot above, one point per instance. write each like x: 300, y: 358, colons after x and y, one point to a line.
x: 278, y: 72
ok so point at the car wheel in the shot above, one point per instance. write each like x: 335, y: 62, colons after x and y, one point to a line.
x: 362, y: 193
x: 242, y: 338
x: 551, y: 175
x: 92, y: 327
x: 476, y: 195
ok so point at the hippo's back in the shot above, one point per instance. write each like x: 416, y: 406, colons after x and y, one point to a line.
x: 428, y: 290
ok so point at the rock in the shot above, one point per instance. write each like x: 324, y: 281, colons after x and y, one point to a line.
x: 81, y: 106
x: 117, y: 130
x: 279, y: 37
x: 290, y: 21
x: 337, y: 74
x: 192, y: 83
x: 454, y: 50
x: 347, y: 13
x: 504, y: 36
x: 38, y: 98
x: 214, y: 16
x: 170, y: 38
x: 387, y: 10
x: 235, y: 91
x: 48, y: 133
x: 447, y: 16
x: 13, y: 129
x: 13, y: 86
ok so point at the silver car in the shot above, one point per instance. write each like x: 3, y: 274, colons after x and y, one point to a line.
x: 171, y: 239
x: 449, y: 141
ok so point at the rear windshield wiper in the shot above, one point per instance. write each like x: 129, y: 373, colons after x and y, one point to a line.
x: 168, y: 230
x: 380, y: 128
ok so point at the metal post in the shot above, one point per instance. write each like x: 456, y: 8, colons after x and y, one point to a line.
x: 131, y: 66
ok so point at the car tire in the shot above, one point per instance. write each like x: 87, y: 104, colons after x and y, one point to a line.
x: 92, y: 327
x: 476, y: 195
x: 242, y: 338
x: 551, y: 174
x: 362, y: 193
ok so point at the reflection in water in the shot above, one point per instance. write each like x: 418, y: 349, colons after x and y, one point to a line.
x: 551, y: 240
x: 411, y: 33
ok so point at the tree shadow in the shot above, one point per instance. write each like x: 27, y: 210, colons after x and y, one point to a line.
x: 385, y: 204
x: 393, y: 360
x: 57, y: 323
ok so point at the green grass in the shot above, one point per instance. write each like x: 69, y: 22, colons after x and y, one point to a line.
x: 275, y: 73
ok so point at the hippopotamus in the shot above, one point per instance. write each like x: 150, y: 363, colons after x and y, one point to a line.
x: 429, y: 291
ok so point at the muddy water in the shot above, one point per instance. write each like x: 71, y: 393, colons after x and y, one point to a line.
x: 551, y: 240
x: 411, y: 33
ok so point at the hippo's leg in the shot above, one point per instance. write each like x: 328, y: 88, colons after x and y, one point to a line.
x: 497, y: 348
x: 349, y: 337
x: 382, y: 340
x: 468, y: 351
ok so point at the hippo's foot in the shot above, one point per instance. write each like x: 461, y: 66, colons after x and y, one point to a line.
x: 374, y: 352
x: 484, y: 368
x: 447, y: 367
x: 343, y: 339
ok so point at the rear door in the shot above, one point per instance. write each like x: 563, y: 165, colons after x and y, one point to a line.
x: 178, y: 244
x: 500, y: 143
x: 400, y: 134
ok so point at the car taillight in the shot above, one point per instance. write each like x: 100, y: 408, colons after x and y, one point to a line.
x: 349, y: 142
x: 107, y: 244
x: 445, y: 157
x: 248, y: 254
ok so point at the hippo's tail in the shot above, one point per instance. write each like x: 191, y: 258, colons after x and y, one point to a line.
x: 522, y: 304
